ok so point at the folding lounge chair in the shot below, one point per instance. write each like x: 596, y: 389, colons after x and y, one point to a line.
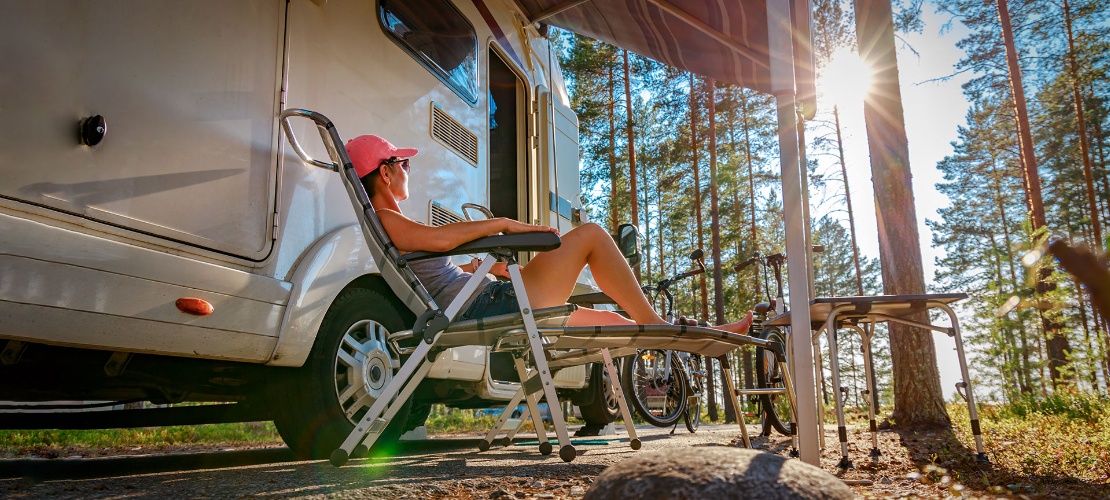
x: 435, y: 330
x: 432, y: 322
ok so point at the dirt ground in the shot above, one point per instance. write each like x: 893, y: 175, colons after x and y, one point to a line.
x: 923, y: 465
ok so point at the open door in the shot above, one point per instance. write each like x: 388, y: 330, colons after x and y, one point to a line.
x: 510, y: 177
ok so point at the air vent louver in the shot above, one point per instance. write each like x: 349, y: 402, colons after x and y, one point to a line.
x: 453, y: 135
x: 439, y: 216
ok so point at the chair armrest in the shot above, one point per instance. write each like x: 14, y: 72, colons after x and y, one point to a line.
x: 517, y: 242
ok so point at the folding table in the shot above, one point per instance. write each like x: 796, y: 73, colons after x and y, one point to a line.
x: 829, y: 314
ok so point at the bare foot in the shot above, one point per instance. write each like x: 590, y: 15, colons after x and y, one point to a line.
x: 740, y: 327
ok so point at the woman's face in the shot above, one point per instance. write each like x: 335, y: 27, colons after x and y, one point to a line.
x: 399, y: 179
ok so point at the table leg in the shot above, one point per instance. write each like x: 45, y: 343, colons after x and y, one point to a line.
x: 819, y: 365
x: 841, y: 428
x: 981, y: 455
x: 866, y: 335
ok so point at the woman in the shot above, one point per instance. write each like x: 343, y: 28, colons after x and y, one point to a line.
x: 548, y: 278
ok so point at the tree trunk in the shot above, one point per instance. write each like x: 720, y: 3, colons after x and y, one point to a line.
x: 751, y: 188
x: 1084, y: 148
x: 918, y: 401
x: 710, y: 386
x: 852, y: 233
x: 634, y: 197
x: 695, y: 167
x: 1024, y: 372
x: 1057, y: 342
x: 614, y: 219
x: 715, y: 223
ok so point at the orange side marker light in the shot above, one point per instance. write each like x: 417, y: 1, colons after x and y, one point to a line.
x: 194, y: 306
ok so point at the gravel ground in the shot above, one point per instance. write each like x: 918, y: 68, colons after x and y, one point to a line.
x: 450, y: 466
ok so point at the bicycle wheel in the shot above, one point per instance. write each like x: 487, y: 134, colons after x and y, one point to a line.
x: 692, y: 416
x: 659, y: 396
x: 776, y: 407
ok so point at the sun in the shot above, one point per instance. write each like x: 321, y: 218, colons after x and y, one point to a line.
x: 845, y: 80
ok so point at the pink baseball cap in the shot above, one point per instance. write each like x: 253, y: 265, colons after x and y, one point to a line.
x: 368, y: 152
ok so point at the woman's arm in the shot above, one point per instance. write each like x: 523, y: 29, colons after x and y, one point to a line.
x: 499, y: 269
x: 411, y: 236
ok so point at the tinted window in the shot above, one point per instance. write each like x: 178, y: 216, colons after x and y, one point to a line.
x: 439, y: 37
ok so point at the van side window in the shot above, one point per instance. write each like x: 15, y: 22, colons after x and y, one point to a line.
x: 439, y: 37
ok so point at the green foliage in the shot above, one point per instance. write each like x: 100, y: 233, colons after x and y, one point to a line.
x: 1081, y: 408
x: 1064, y: 436
x: 16, y: 442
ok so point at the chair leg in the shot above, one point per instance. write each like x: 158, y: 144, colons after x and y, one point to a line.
x: 566, y: 450
x: 534, y: 408
x: 615, y: 385
x: 730, y: 394
x: 485, y: 444
x: 395, y: 394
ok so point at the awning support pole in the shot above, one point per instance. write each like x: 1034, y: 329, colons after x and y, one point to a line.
x: 780, y: 43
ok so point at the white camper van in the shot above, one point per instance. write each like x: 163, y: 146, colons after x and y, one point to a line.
x: 159, y: 240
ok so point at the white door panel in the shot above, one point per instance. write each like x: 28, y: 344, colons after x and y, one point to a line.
x: 188, y: 91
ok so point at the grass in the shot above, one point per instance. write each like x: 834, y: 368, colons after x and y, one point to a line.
x: 57, y: 442
x: 1062, y: 436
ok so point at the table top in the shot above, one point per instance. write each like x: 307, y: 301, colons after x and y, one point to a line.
x: 863, y: 307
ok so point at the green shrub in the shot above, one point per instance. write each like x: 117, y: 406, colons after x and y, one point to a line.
x: 1070, y: 404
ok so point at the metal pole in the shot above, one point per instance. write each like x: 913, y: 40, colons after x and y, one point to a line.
x: 780, y: 43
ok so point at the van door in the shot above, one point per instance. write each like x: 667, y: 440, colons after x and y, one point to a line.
x: 510, y: 176
x: 559, y: 151
x: 188, y: 92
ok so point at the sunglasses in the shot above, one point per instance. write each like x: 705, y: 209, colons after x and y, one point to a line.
x: 403, y: 162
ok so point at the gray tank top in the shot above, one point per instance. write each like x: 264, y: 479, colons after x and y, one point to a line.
x: 442, y: 279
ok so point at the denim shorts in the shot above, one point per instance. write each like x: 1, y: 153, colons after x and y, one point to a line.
x: 497, y: 298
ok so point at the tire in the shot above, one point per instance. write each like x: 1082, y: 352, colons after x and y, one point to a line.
x: 775, y: 407
x: 692, y: 416
x: 602, y: 408
x: 660, y: 399
x: 311, y: 417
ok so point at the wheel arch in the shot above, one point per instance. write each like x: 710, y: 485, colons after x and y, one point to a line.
x: 337, y: 262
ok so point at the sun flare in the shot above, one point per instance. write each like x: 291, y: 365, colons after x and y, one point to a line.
x: 845, y: 80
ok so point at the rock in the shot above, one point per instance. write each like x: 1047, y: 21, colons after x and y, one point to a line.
x: 499, y: 494
x: 715, y: 473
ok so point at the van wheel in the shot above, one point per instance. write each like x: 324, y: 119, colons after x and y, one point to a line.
x: 602, y: 409
x: 348, y: 368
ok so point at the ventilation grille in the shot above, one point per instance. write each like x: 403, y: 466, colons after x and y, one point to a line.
x: 439, y: 216
x: 453, y: 135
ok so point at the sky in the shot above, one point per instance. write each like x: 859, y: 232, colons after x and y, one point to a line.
x: 933, y: 111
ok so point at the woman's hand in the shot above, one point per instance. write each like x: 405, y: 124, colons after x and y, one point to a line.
x: 513, y: 226
x: 499, y: 269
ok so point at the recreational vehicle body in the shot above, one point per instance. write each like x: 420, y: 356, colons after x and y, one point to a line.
x: 146, y: 182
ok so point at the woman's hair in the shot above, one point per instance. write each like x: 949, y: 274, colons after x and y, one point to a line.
x: 368, y: 181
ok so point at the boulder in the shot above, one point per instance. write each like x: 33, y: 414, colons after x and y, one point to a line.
x: 715, y: 473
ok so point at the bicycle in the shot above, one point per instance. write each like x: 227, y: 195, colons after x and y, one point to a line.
x: 665, y: 385
x: 776, y: 410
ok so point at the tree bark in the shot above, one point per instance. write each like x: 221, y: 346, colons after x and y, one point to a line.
x: 613, y: 216
x: 715, y: 223
x: 631, y: 151
x: 1057, y: 342
x: 918, y: 401
x: 697, y: 194
x: 1084, y: 148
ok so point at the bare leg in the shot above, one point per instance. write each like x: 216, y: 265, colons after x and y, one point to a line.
x: 550, y: 276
